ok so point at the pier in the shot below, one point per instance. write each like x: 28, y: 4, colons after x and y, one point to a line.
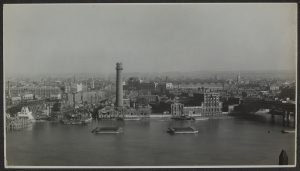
x: 285, y: 110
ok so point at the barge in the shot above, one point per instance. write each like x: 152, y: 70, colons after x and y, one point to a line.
x: 201, y: 118
x: 107, y: 130
x: 182, y: 130
x: 132, y: 119
x: 183, y: 118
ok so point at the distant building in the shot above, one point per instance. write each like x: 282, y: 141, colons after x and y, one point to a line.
x: 16, y: 100
x: 161, y: 88
x: 37, y: 91
x: 177, y: 109
x: 28, y: 97
x: 79, y: 87
x: 274, y: 88
x: 148, y: 98
x: 126, y: 103
x: 55, y: 96
x: 169, y: 86
x: 238, y: 78
x: 206, y: 104
x: 135, y: 84
x: 212, y: 86
x: 93, y: 84
x: 89, y: 97
x: 193, y: 110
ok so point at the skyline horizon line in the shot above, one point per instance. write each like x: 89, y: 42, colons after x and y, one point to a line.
x: 159, y: 74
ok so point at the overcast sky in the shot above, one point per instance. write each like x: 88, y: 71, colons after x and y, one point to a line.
x: 65, y: 38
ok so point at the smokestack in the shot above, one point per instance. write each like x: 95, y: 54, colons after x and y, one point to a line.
x: 74, y: 100
x: 119, y: 86
x: 8, y: 89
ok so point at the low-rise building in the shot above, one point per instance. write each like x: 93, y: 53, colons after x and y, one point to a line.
x: 28, y: 97
x: 169, y: 85
x: 193, y: 110
x: 55, y: 96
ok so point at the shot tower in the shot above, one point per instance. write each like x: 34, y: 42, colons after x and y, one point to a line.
x: 119, y: 86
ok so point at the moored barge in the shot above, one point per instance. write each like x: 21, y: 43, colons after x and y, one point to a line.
x: 182, y: 130
x: 107, y: 130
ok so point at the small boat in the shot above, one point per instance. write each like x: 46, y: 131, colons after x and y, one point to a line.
x: 119, y: 119
x: 107, y: 130
x: 76, y: 121
x: 87, y: 120
x: 182, y: 130
x: 201, y: 119
x: 132, y: 119
x: 77, y: 117
x: 287, y: 131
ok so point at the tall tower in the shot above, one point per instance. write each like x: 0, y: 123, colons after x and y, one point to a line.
x: 93, y: 84
x: 119, y: 86
x: 8, y: 89
x: 238, y: 79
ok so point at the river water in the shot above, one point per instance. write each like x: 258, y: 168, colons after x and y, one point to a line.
x: 231, y: 141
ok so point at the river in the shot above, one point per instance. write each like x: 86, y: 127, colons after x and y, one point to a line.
x: 232, y: 141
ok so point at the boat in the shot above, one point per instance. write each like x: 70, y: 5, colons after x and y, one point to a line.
x: 77, y: 117
x: 287, y: 131
x: 119, y: 119
x: 182, y: 130
x: 76, y: 121
x: 132, y: 119
x: 87, y: 120
x: 42, y: 116
x: 25, y: 113
x: 107, y: 130
x: 201, y: 119
x: 262, y: 111
x: 183, y: 118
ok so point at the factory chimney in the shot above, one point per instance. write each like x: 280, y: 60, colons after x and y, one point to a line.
x: 119, y: 86
x: 8, y: 89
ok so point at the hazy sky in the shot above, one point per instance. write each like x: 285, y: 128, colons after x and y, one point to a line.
x: 67, y: 38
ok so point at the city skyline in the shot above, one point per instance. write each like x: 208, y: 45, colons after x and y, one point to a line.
x: 150, y: 85
x: 148, y: 38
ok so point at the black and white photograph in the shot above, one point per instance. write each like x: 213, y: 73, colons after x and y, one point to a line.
x: 150, y: 85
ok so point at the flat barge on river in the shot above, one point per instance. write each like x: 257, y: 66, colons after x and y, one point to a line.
x: 107, y: 130
x: 182, y: 130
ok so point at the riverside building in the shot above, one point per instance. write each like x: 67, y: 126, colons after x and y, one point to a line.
x: 210, y: 106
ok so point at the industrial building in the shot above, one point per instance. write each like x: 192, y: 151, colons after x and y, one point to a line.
x: 210, y: 106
